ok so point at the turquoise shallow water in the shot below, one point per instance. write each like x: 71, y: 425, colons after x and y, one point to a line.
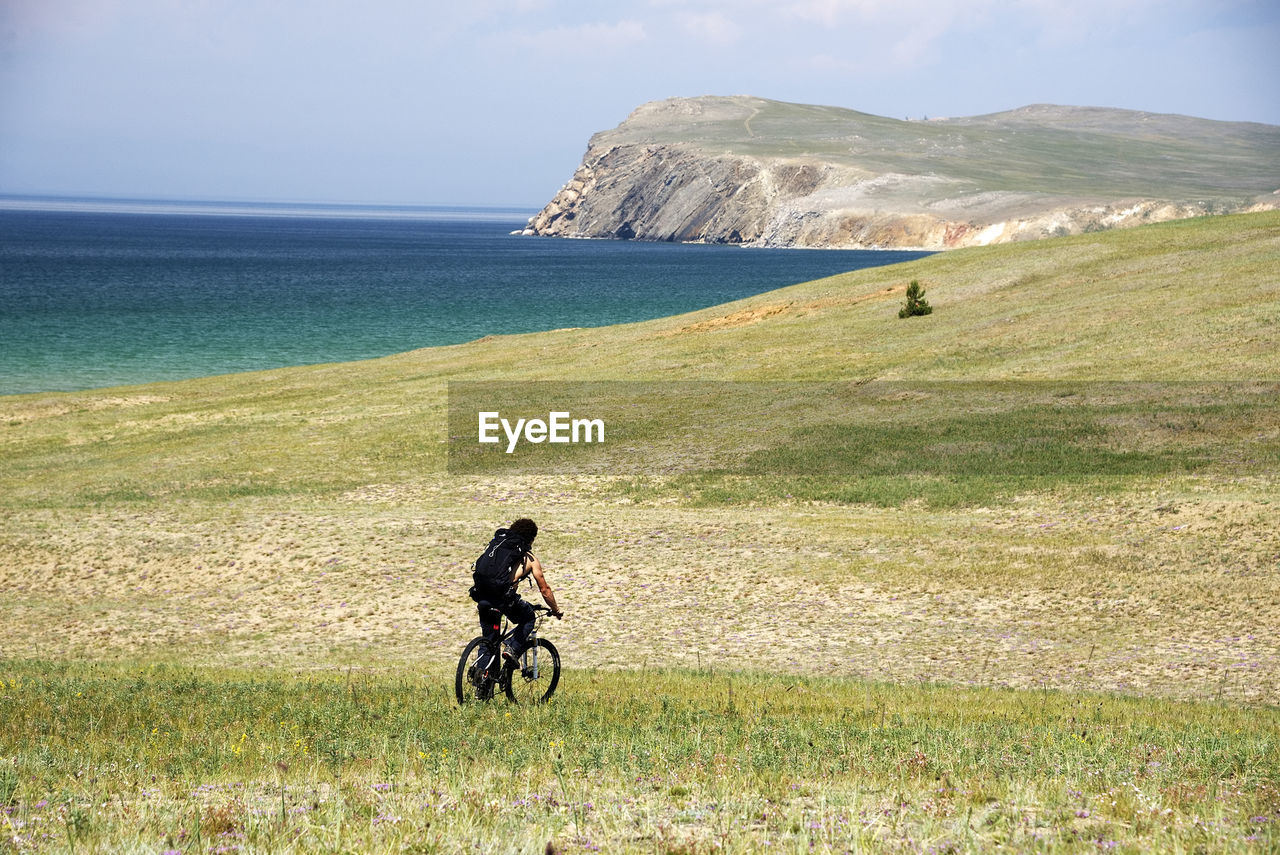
x: 94, y: 298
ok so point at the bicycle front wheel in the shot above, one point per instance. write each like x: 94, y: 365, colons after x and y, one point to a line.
x: 477, y: 675
x: 536, y: 676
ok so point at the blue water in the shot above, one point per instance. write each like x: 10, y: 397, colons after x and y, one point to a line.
x: 106, y: 298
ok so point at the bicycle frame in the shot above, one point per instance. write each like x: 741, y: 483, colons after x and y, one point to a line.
x: 529, y: 656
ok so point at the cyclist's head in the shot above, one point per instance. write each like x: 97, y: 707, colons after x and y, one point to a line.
x: 525, y: 529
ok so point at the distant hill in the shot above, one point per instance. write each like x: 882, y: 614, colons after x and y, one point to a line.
x: 753, y: 171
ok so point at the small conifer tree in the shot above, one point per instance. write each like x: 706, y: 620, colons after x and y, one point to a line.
x: 916, y: 303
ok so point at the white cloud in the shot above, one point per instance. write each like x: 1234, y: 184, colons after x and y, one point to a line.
x: 1051, y: 19
x: 920, y: 40
x: 834, y: 12
x: 590, y: 37
x: 712, y: 27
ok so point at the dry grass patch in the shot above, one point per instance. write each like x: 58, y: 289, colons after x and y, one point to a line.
x: 1172, y: 595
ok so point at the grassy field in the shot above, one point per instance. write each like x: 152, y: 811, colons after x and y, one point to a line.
x: 1008, y: 574
x: 151, y: 759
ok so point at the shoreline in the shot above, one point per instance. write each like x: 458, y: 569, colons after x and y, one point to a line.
x: 97, y: 296
x: 741, y: 245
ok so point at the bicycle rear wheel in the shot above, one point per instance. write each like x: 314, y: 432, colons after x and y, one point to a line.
x: 477, y: 677
x: 537, y: 675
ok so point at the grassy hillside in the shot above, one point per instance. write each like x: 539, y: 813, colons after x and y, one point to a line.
x: 1004, y: 575
x: 1197, y: 300
x: 1062, y: 151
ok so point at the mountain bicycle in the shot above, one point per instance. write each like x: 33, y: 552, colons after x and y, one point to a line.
x: 482, y: 671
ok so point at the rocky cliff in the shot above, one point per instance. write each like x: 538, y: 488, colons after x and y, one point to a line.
x: 765, y: 173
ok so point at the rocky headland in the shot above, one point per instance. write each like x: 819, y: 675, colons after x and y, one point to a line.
x: 750, y: 171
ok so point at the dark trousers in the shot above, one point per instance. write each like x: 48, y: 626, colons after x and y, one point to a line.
x: 516, y: 609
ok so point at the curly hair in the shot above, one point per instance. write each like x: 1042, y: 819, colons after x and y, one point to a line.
x: 526, y: 529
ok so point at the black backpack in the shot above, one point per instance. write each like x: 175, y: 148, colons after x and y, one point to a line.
x: 496, y: 566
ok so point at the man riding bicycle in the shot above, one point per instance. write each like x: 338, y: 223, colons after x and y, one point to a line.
x: 506, y: 561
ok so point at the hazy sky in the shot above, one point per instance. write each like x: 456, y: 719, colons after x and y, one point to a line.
x: 491, y: 102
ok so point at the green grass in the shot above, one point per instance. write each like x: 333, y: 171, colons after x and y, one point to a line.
x: 1069, y: 151
x: 948, y: 444
x: 985, y: 444
x: 151, y: 758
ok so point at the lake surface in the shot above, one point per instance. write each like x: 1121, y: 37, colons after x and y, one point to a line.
x: 122, y: 295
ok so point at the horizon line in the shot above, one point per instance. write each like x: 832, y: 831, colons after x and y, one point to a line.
x: 35, y: 202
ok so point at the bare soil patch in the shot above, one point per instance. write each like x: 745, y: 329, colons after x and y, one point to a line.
x: 1173, y: 596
